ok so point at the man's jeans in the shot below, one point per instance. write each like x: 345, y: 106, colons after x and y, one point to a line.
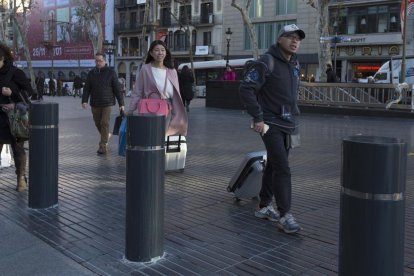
x: 101, y: 117
x: 276, y: 177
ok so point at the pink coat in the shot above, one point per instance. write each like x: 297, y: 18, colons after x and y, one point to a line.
x: 145, y: 84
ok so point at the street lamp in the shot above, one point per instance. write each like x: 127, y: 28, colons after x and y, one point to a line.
x: 110, y: 49
x: 228, y: 38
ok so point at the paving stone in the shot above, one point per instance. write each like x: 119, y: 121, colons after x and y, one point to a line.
x: 207, y: 232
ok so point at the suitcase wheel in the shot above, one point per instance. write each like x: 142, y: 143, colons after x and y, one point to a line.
x: 181, y: 170
x: 236, y: 199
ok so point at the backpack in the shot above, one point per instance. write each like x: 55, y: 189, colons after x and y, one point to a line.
x: 267, y: 61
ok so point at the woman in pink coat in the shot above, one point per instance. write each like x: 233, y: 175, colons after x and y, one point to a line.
x: 152, y: 78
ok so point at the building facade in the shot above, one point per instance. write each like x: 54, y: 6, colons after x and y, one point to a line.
x: 370, y: 34
x: 193, y: 28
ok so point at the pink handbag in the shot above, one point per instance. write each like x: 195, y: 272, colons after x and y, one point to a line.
x: 154, y: 106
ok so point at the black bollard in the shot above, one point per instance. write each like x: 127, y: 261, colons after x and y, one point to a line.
x: 43, y: 155
x: 145, y: 165
x: 372, y: 206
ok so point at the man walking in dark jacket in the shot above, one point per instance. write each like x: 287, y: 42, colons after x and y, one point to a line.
x: 330, y: 74
x: 269, y: 91
x: 102, y: 88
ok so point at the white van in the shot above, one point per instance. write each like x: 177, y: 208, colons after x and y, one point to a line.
x: 393, y: 75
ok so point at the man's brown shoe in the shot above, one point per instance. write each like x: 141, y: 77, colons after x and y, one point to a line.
x: 102, y: 150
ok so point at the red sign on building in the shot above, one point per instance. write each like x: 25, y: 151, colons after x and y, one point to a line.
x: 57, y: 32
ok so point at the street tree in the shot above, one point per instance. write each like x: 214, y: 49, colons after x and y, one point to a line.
x: 4, y: 19
x: 145, y: 23
x: 91, y: 11
x: 184, y: 22
x: 322, y: 30
x: 18, y: 15
x: 244, y: 11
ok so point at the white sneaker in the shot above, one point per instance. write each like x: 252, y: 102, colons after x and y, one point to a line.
x: 288, y: 224
x: 267, y: 212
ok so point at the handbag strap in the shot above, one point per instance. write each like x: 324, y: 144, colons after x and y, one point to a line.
x: 163, y: 92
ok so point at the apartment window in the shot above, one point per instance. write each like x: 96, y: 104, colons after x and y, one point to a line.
x: 165, y: 16
x: 124, y: 46
x: 206, y: 38
x: 185, y: 14
x: 206, y: 12
x: 194, y: 37
x: 256, y: 8
x: 286, y: 7
x: 368, y: 19
x: 134, y: 46
x: 133, y: 20
x: 122, y: 20
x: 181, y: 41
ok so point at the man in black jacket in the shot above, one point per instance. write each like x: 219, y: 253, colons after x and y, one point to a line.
x: 102, y: 88
x: 330, y: 74
x: 269, y: 92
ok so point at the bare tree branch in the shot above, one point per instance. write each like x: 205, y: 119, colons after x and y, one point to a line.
x: 250, y: 28
x: 91, y: 11
x: 18, y: 15
x: 322, y: 30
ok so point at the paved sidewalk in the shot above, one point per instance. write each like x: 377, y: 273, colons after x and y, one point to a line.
x: 22, y: 253
x: 207, y: 232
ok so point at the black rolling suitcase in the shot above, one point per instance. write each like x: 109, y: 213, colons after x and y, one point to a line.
x: 247, y: 181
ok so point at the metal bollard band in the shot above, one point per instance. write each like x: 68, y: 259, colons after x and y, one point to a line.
x: 43, y: 126
x: 371, y: 196
x: 140, y: 148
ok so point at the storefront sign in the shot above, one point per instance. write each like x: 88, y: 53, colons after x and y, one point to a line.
x: 376, y: 50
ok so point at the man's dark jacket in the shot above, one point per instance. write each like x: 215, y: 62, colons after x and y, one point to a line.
x: 102, y: 87
x: 272, y: 96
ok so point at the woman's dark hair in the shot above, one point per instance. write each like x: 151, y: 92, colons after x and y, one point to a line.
x: 6, y: 54
x: 167, y: 60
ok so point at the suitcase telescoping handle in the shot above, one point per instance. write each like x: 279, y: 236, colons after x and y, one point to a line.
x: 173, y: 142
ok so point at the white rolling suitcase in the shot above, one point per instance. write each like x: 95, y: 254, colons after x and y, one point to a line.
x: 175, y: 153
x: 5, y: 159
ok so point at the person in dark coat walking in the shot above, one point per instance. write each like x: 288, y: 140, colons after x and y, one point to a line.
x: 40, y: 85
x: 186, y: 80
x: 77, y: 86
x: 12, y: 81
x: 52, y: 87
x: 330, y: 74
x: 270, y: 93
x: 102, y: 87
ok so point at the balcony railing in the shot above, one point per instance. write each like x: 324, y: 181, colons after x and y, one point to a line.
x: 207, y: 20
x: 128, y: 27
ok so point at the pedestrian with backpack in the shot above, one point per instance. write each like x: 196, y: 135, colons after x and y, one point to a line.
x: 269, y: 92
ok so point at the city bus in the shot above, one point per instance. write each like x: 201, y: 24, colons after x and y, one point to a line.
x: 213, y: 70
